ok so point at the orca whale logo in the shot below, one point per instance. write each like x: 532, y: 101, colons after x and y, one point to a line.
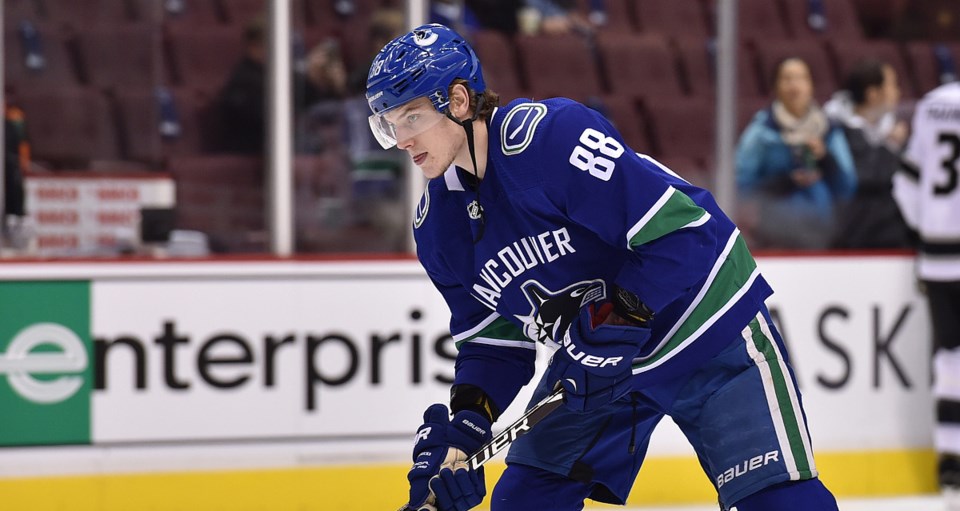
x: 425, y: 37
x: 552, y: 312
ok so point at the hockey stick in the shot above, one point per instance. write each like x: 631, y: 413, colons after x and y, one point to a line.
x: 521, y: 427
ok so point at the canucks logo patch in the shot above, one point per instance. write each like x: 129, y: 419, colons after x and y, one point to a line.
x: 518, y: 127
x: 422, y: 208
x: 552, y: 312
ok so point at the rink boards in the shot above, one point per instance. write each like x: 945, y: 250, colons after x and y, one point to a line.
x: 297, y: 384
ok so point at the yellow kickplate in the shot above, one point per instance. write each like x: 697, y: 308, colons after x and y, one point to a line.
x: 383, y: 487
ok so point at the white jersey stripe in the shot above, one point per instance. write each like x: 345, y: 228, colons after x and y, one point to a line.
x: 698, y: 222
x: 946, y: 381
x: 703, y: 328
x: 530, y: 345
x: 477, y: 329
x: 722, y: 258
x: 773, y: 405
x: 650, y: 214
x: 946, y: 438
x: 794, y: 401
x: 452, y: 180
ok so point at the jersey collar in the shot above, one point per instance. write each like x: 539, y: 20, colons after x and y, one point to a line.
x: 452, y: 178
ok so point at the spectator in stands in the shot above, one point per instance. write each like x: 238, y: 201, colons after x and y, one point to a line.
x: 16, y: 160
x: 242, y: 99
x: 321, y: 104
x: 793, y: 165
x: 931, y: 20
x: 553, y: 17
x: 365, y: 153
x: 447, y: 12
x: 361, y: 183
x: 326, y: 73
x: 532, y: 16
x: 385, y: 24
x: 866, y: 110
x: 499, y: 15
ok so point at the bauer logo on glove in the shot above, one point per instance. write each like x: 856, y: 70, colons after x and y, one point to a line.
x: 440, y: 477
x: 583, y: 358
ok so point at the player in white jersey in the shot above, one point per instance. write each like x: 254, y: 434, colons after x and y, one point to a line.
x: 928, y: 193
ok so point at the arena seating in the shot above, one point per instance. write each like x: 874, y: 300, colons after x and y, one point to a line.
x: 132, y: 83
x: 37, y: 56
x: 71, y: 127
x: 682, y: 126
x: 502, y: 73
x: 624, y: 112
x: 839, y: 20
x: 673, y: 18
x: 558, y: 65
x: 639, y: 66
x: 120, y: 56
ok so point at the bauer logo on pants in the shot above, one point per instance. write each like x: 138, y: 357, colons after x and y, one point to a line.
x: 45, y: 368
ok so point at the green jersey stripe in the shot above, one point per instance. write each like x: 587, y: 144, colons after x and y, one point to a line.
x: 674, y: 210
x: 499, y: 331
x: 781, y: 399
x: 462, y: 336
x: 731, y: 277
x: 773, y: 406
x: 794, y: 398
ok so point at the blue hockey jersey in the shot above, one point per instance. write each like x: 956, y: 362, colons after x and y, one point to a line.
x: 567, y: 211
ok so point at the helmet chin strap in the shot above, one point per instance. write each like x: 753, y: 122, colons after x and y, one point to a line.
x: 467, y: 126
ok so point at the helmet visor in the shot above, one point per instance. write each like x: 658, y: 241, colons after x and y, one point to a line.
x: 404, y: 122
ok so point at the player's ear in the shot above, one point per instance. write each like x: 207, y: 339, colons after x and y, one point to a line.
x: 459, y: 101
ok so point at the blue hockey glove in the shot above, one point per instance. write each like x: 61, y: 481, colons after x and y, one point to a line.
x: 593, y: 363
x: 440, y: 479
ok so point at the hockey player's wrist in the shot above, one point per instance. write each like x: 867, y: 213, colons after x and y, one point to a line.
x: 628, y: 306
x: 474, y: 399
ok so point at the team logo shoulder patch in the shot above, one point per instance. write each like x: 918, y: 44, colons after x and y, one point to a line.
x: 422, y: 208
x: 518, y: 127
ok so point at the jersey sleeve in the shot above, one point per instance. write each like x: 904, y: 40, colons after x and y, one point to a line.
x: 629, y: 201
x: 492, y: 353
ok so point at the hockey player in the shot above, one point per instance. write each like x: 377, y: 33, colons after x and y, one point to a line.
x: 927, y: 192
x: 539, y: 225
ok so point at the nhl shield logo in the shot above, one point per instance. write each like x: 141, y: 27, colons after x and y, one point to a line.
x: 474, y: 210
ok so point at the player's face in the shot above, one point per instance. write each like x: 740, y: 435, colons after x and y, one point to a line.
x: 431, y: 140
x: 794, y: 86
